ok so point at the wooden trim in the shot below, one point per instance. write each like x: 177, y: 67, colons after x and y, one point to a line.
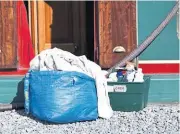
x: 33, y: 23
x: 41, y: 24
x: 35, y: 28
x: 37, y: 9
x: 29, y: 15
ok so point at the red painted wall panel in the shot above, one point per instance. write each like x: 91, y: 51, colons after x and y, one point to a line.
x: 160, y: 68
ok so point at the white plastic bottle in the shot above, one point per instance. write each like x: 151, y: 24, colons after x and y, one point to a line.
x: 130, y: 73
x: 139, y: 76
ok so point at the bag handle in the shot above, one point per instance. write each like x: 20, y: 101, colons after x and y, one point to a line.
x: 26, y: 93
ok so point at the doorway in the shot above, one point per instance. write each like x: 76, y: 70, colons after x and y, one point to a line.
x: 67, y: 25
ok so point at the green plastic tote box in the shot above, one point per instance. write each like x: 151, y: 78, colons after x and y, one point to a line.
x: 129, y: 96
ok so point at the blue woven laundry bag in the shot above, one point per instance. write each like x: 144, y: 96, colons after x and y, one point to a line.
x: 60, y: 96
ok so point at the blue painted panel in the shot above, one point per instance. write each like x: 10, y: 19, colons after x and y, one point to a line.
x: 11, y: 89
x: 150, y: 15
x: 164, y: 88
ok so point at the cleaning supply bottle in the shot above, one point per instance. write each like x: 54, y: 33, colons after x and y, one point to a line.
x: 120, y: 76
x: 130, y: 75
x: 130, y: 72
x: 139, y: 76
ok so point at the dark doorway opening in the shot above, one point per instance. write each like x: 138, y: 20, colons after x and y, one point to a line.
x: 90, y: 29
x: 89, y: 13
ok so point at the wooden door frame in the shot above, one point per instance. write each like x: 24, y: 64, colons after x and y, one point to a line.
x: 33, y: 7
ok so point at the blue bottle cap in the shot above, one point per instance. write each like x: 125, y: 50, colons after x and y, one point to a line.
x: 119, y: 73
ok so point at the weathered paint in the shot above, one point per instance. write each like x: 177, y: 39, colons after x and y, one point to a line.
x: 24, y: 45
x: 117, y: 27
x: 8, y: 35
x: 163, y: 88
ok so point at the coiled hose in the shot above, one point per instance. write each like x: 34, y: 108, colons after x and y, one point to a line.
x: 147, y: 42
